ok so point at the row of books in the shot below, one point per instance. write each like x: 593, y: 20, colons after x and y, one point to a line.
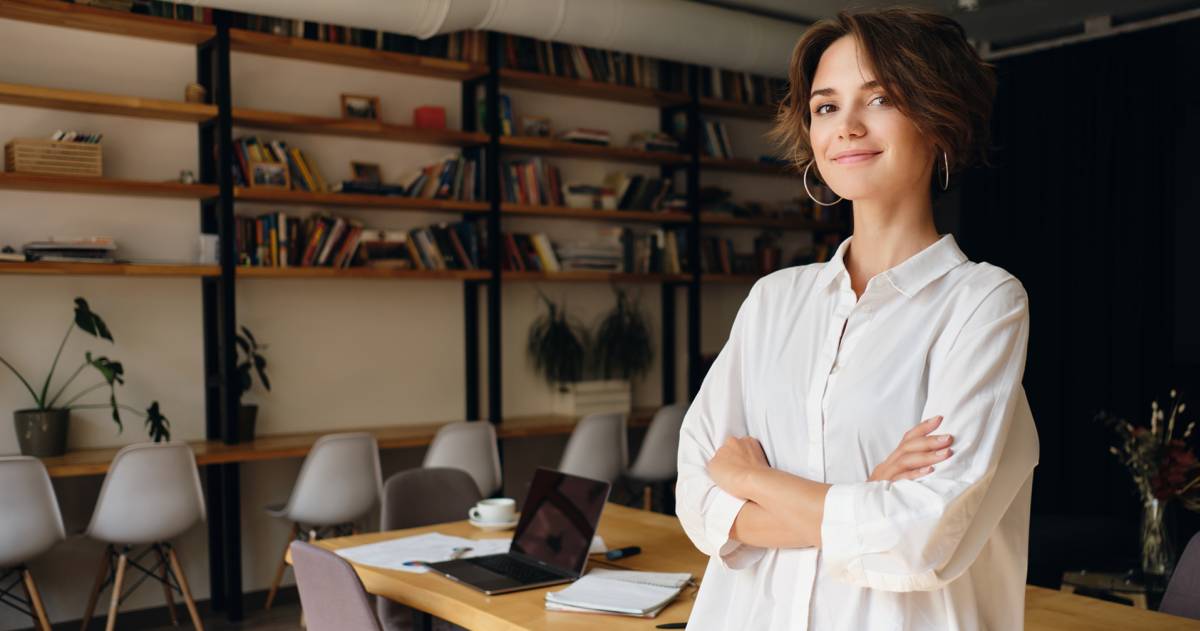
x: 743, y: 87
x: 716, y: 140
x: 592, y: 64
x: 302, y: 173
x: 453, y: 177
x: 531, y: 182
x: 276, y: 240
x: 608, y: 250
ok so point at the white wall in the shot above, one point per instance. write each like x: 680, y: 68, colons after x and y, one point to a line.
x: 344, y: 353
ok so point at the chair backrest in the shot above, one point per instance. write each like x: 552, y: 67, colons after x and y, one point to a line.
x: 151, y: 494
x: 339, y: 481
x: 30, y: 522
x: 658, y: 458
x: 1182, y: 597
x: 471, y: 447
x: 598, y: 448
x: 331, y: 593
x: 421, y: 497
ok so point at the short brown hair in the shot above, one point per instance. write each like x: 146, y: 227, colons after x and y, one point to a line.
x: 924, y: 62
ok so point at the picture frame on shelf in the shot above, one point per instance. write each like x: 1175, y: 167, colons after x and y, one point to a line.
x: 537, y: 126
x: 366, y: 172
x: 269, y: 175
x: 361, y: 107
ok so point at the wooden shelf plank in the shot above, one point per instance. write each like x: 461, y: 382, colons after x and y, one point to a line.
x: 553, y: 147
x: 729, y: 279
x: 104, y: 186
x: 724, y: 107
x: 108, y: 269
x: 377, y: 202
x: 99, y: 103
x: 296, y: 445
x: 563, y: 212
x: 743, y: 165
x: 785, y: 223
x: 551, y: 84
x: 592, y: 276
x: 344, y: 55
x: 326, y: 126
x: 106, y: 21
x: 361, y: 272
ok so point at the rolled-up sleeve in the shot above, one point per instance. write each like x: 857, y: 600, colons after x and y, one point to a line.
x: 916, y: 535
x: 705, y: 510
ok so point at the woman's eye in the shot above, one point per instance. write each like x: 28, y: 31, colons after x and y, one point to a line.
x: 881, y: 97
x: 821, y: 107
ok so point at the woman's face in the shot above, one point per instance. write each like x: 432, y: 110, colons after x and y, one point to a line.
x: 850, y: 113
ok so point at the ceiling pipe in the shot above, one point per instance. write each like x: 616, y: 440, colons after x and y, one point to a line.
x: 676, y: 30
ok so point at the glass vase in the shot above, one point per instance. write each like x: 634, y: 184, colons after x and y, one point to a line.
x: 1158, y: 555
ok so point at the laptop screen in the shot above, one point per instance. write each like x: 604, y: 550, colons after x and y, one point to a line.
x: 559, y: 518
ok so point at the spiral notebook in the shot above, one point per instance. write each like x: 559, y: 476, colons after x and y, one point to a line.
x: 623, y: 592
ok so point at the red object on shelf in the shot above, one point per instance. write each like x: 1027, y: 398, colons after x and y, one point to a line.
x: 430, y: 117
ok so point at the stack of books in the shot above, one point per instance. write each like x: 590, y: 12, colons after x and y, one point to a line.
x: 587, y: 136
x: 716, y: 140
x: 531, y: 182
x: 72, y: 250
x: 600, y: 251
x: 624, y: 592
x: 654, y: 141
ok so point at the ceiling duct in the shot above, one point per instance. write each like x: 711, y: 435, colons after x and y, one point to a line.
x: 676, y: 30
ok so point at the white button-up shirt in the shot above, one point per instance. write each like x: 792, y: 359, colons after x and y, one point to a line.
x: 935, y: 335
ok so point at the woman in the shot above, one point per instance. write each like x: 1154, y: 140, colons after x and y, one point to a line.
x: 805, y: 469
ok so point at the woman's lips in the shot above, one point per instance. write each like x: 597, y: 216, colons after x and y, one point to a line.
x: 857, y: 158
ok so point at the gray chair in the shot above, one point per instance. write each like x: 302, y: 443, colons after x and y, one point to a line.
x: 331, y: 593
x: 150, y: 496
x: 1183, y: 592
x: 30, y: 524
x: 470, y: 446
x: 421, y: 497
x: 657, y: 460
x: 598, y: 448
x: 339, y: 482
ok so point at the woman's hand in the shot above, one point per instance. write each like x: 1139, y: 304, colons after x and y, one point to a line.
x: 916, y: 454
x: 734, y: 463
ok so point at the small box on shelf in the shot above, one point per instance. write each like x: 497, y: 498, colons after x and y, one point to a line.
x: 53, y: 157
x: 593, y: 397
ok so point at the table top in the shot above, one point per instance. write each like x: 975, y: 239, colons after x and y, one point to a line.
x: 96, y: 461
x: 665, y: 548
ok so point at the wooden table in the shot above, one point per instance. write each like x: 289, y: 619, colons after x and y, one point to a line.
x: 279, y: 446
x: 665, y: 548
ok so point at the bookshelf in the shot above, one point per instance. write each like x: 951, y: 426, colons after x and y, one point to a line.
x: 217, y: 197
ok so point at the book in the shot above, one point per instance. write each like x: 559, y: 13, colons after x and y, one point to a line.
x: 624, y: 592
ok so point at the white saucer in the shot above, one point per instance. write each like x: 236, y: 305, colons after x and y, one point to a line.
x: 494, y: 525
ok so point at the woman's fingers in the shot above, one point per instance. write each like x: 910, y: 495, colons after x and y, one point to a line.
x: 922, y: 428
x: 925, y: 443
x: 914, y: 474
x: 919, y: 460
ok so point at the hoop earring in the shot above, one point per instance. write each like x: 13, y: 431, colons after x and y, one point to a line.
x: 946, y: 184
x: 810, y: 195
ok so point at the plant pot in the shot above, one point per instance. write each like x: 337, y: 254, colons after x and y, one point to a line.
x: 247, y: 420
x: 42, y: 433
x: 591, y: 397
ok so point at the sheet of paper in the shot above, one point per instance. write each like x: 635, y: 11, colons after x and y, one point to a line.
x: 430, y: 547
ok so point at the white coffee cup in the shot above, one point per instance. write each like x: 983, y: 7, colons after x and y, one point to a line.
x: 499, y: 510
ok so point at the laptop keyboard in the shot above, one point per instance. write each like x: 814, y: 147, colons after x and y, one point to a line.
x: 512, y: 568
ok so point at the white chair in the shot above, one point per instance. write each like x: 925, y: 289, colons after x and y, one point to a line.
x: 30, y: 524
x: 150, y: 496
x: 471, y: 447
x: 339, y: 482
x: 598, y: 448
x: 657, y: 461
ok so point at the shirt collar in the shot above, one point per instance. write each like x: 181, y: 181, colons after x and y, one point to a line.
x: 911, y: 275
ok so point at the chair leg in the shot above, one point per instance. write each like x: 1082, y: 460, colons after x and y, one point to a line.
x: 647, y: 497
x: 165, y: 575
x: 282, y: 567
x: 115, y: 601
x: 91, y: 604
x: 35, y: 600
x: 183, y: 587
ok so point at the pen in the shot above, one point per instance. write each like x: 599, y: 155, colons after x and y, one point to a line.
x: 671, y: 625
x: 621, y: 553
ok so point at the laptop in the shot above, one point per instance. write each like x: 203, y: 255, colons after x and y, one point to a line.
x: 550, y: 546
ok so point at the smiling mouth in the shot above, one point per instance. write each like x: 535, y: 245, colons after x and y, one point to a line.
x: 857, y: 158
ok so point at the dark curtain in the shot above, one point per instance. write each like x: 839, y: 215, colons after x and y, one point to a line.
x: 1092, y: 204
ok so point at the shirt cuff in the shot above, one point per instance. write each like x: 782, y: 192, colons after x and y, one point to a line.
x: 841, y: 541
x: 718, y: 521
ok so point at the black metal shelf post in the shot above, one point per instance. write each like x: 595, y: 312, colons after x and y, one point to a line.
x: 220, y: 325
x: 693, y: 202
x: 492, y: 172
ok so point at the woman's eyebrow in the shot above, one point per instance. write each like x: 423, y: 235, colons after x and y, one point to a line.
x: 830, y: 91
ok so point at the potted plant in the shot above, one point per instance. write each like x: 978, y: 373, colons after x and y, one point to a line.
x: 557, y: 345
x: 42, y: 429
x: 251, y: 358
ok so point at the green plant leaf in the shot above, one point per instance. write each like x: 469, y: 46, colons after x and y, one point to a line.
x: 242, y: 343
x: 623, y: 346
x: 157, y: 425
x: 556, y: 345
x: 260, y: 366
x: 114, y: 374
x: 91, y: 323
